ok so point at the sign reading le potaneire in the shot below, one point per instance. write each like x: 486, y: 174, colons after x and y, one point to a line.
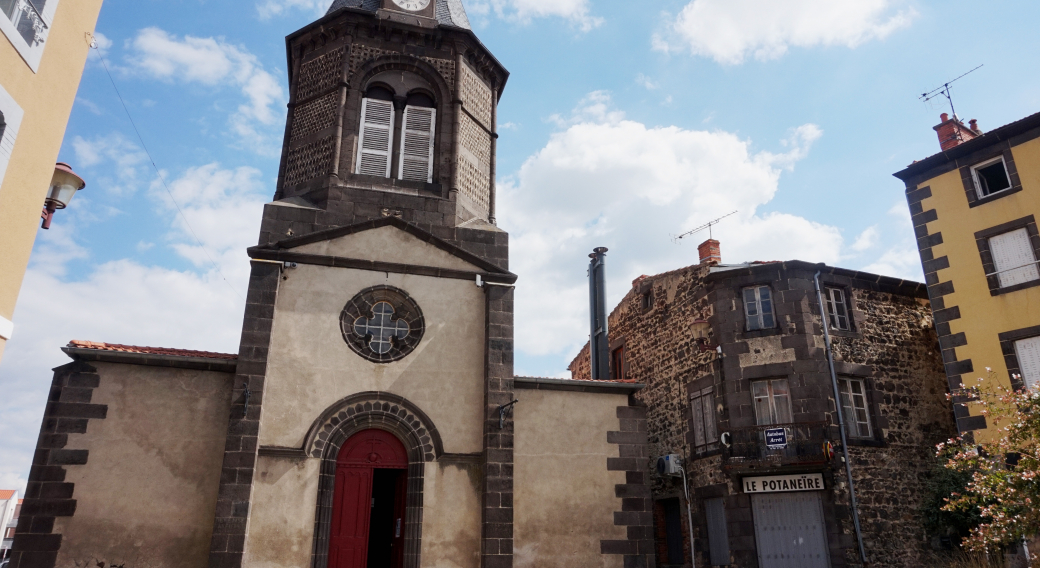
x: 778, y: 483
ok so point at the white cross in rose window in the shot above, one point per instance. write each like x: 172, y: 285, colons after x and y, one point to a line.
x: 381, y: 327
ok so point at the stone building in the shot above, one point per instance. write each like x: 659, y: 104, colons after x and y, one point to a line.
x: 370, y: 416
x: 733, y: 356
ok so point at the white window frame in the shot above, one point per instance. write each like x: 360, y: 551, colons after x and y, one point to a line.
x: 1008, y: 276
x: 978, y: 183
x: 31, y: 54
x: 856, y: 425
x: 13, y: 117
x: 705, y: 432
x: 1027, y: 351
x: 755, y: 322
x: 832, y: 298
x: 779, y: 402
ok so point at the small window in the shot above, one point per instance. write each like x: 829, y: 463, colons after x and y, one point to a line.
x: 1013, y: 258
x: 1028, y: 352
x: 617, y: 364
x: 646, y: 300
x: 837, y: 310
x: 702, y: 406
x: 854, y: 407
x: 26, y: 24
x: 772, y: 402
x: 991, y: 177
x: 758, y: 307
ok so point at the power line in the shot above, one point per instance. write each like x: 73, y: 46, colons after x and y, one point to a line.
x: 94, y: 46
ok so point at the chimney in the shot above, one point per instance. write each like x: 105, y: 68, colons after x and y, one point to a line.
x: 599, y: 346
x: 709, y: 252
x: 952, y: 132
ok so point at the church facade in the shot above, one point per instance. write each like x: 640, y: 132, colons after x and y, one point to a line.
x: 371, y: 417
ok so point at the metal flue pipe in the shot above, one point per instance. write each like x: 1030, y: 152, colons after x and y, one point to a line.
x: 599, y: 346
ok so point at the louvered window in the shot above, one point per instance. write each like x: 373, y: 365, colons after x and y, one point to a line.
x: 377, y: 132
x: 417, y: 144
x: 1013, y: 258
x: 702, y: 407
x: 1028, y: 352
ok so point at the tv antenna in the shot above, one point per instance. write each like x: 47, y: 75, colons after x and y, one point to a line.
x: 944, y: 90
x: 702, y: 227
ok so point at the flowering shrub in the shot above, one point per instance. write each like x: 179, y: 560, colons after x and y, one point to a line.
x: 1004, y: 484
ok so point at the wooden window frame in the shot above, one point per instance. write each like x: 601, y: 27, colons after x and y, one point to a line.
x: 758, y: 302
x: 985, y: 164
x: 828, y: 301
x: 980, y: 158
x: 771, y: 397
x: 850, y: 419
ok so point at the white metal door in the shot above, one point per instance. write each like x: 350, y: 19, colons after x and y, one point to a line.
x: 789, y: 530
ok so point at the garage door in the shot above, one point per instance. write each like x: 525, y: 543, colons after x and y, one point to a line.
x: 789, y: 530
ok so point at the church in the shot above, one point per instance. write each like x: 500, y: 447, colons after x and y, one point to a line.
x: 370, y: 418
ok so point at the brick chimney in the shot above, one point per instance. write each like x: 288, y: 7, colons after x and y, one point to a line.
x: 709, y: 252
x: 952, y: 131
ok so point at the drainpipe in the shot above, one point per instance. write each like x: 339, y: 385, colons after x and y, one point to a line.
x: 841, y: 418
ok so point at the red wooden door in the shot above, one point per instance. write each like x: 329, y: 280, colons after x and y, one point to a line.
x: 352, y: 500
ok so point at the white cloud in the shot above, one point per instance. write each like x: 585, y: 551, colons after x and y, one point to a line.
x: 729, y: 31
x: 124, y: 301
x: 646, y: 82
x: 866, y: 240
x: 126, y: 164
x: 901, y: 259
x: 271, y: 8
x: 212, y: 62
x: 603, y: 180
x: 575, y: 11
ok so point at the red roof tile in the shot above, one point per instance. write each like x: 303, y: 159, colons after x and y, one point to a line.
x: 76, y: 343
x: 6, y: 494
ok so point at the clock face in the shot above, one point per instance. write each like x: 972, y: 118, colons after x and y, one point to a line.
x: 412, y: 5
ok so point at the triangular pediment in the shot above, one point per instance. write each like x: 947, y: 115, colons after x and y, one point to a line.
x: 388, y: 240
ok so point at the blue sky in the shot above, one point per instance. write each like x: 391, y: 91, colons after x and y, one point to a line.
x: 621, y: 125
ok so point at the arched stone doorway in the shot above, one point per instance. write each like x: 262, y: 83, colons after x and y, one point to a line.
x: 369, y: 502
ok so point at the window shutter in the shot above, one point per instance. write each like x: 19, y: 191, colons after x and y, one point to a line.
x: 1013, y: 258
x: 698, y: 422
x: 1028, y: 351
x: 417, y: 144
x: 377, y: 132
x: 710, y: 436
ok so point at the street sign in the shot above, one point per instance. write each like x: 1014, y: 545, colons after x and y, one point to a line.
x: 776, y: 438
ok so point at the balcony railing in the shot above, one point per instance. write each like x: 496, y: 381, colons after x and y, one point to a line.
x: 805, y: 445
x: 26, y: 19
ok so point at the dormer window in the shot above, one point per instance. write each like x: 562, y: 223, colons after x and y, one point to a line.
x: 391, y: 120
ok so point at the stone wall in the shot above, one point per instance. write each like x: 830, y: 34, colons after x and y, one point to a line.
x: 892, y: 347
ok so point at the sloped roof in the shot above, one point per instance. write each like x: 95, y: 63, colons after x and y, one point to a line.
x: 101, y: 346
x: 449, y: 12
x: 6, y: 494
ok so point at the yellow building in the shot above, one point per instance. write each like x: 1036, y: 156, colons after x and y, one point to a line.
x: 974, y: 208
x: 42, y: 54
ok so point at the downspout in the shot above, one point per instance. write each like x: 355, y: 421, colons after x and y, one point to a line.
x: 841, y: 419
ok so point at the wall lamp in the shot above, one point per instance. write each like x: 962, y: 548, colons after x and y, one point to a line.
x: 64, y: 185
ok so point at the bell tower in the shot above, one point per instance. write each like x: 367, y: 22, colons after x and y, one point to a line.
x: 392, y: 113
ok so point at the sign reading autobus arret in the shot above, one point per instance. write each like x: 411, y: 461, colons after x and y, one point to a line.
x: 778, y: 483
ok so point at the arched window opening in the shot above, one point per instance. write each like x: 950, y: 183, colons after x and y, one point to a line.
x: 396, y: 137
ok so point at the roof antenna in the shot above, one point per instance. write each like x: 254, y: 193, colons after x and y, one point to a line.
x: 701, y: 228
x: 944, y: 90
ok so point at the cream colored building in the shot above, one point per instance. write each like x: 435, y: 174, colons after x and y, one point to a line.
x: 371, y: 416
x: 974, y: 208
x: 42, y: 54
